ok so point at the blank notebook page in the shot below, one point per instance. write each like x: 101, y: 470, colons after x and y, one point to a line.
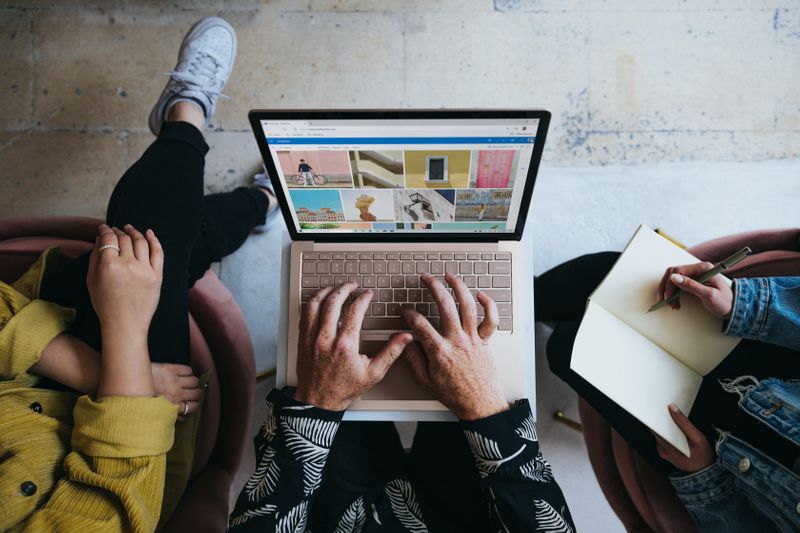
x: 635, y: 373
x: 691, y: 334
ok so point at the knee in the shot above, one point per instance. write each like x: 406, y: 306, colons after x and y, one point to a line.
x: 559, y: 348
x: 597, y: 265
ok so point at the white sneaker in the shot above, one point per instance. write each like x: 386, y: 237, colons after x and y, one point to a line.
x: 204, y: 65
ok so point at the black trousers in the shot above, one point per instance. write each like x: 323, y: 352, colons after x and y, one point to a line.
x: 561, y: 295
x: 367, y: 455
x: 163, y: 191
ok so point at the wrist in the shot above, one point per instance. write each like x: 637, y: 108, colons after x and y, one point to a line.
x: 320, y: 400
x: 122, y: 343
x: 728, y: 310
x: 482, y: 410
x: 121, y: 333
x: 702, y: 466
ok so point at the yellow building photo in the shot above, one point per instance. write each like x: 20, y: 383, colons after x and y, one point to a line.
x: 437, y: 169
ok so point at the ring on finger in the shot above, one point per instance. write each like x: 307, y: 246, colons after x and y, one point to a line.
x: 185, y: 408
x: 109, y: 246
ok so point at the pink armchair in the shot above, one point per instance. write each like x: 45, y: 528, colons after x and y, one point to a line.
x: 220, y: 342
x: 641, y: 498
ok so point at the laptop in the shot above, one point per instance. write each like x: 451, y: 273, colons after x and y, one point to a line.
x: 381, y: 196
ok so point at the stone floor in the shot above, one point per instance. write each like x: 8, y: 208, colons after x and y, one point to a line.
x: 681, y: 114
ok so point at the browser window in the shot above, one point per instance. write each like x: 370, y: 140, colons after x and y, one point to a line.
x: 397, y: 176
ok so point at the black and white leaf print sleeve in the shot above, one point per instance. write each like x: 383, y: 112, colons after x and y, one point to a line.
x: 404, y: 506
x: 516, y: 480
x: 291, y: 447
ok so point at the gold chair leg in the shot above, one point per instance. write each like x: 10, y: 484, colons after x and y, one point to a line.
x: 261, y: 376
x: 559, y: 416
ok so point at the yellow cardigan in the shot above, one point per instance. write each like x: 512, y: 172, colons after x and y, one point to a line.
x: 70, y: 463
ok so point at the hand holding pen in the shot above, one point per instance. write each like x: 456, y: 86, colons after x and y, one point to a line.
x: 703, y: 280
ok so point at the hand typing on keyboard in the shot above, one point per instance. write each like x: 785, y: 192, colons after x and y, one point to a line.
x: 331, y: 372
x: 395, y: 278
x: 455, y: 362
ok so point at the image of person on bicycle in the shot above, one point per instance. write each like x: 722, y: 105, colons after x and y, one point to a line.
x: 305, y: 171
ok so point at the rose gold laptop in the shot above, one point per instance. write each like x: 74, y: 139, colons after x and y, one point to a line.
x: 380, y: 197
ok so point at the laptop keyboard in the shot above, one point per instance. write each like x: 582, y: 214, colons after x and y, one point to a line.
x: 394, y: 279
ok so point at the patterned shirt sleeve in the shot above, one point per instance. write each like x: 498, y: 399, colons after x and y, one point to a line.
x: 516, y: 480
x: 291, y: 449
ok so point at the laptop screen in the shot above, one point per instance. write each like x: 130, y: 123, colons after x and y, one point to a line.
x: 401, y: 175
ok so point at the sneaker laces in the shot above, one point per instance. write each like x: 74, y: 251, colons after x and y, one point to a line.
x: 203, y: 67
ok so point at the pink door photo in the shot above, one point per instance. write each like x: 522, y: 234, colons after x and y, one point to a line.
x: 494, y: 168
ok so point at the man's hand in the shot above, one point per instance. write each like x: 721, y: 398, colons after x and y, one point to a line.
x: 125, y: 286
x: 716, y: 294
x: 456, y: 365
x: 700, y: 450
x: 331, y: 371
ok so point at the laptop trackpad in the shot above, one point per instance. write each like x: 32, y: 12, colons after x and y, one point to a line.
x: 398, y: 384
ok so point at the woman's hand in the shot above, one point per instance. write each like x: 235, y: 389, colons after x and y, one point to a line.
x: 701, y: 453
x: 124, y: 282
x: 125, y: 285
x: 178, y: 384
x: 331, y: 371
x: 716, y: 294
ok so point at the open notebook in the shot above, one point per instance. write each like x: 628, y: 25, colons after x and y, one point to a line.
x: 645, y: 361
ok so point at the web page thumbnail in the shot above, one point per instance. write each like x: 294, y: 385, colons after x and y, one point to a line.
x: 470, y: 226
x: 424, y: 206
x: 317, y: 206
x: 360, y: 226
x: 306, y: 169
x: 437, y: 169
x: 483, y: 204
x: 493, y: 169
x: 367, y: 205
x: 381, y: 169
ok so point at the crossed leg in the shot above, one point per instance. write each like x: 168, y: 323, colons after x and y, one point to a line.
x: 163, y: 191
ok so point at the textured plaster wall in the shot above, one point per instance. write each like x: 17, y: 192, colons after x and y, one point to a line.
x: 627, y: 82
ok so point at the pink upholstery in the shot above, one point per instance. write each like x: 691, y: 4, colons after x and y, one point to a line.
x: 203, y: 361
x: 608, y: 476
x: 204, y: 506
x: 71, y: 228
x: 641, y: 498
x: 220, y: 342
x: 775, y: 252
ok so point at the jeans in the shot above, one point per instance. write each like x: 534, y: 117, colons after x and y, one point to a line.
x: 561, y: 295
x: 163, y: 191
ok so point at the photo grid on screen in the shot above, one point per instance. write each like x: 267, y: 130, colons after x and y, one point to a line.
x: 378, y: 189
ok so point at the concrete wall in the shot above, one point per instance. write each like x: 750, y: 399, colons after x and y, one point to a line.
x: 627, y: 82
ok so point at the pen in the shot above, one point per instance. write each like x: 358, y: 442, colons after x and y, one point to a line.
x: 705, y: 276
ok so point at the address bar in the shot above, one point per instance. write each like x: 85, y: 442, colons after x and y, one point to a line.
x: 415, y: 131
